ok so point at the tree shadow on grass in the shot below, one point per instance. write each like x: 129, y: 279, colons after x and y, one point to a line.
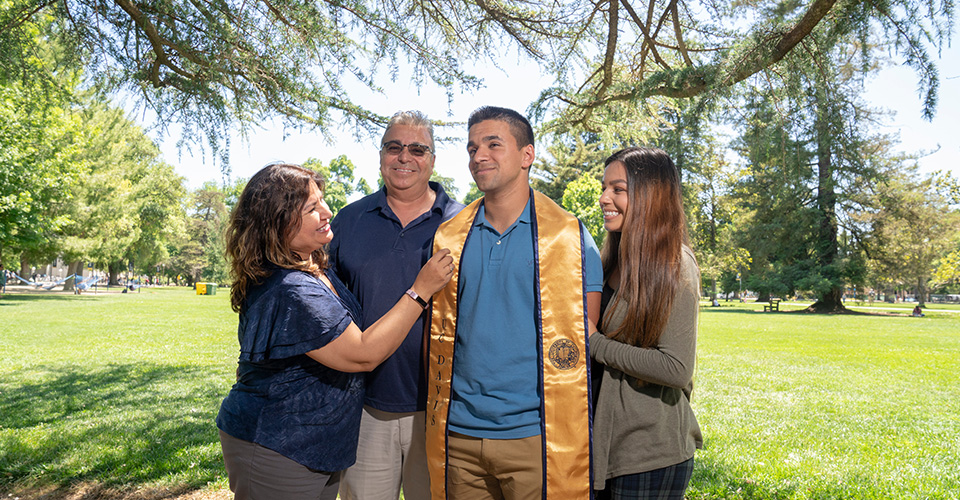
x: 119, y: 425
x: 728, y: 310
x: 16, y: 299
x: 850, y: 312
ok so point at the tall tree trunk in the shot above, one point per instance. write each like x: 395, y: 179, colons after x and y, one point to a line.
x: 827, y: 244
x: 114, y: 271
x: 712, y: 242
x: 24, y: 267
x: 74, y: 267
x: 921, y: 292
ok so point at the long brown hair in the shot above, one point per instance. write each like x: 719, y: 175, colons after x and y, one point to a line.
x: 648, y: 247
x: 262, y: 224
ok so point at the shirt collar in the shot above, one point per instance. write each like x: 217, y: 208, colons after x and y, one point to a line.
x: 524, y: 217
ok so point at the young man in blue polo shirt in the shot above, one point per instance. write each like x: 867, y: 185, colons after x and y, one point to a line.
x: 508, y: 406
x: 380, y: 243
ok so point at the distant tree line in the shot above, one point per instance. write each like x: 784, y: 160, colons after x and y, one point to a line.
x: 802, y: 200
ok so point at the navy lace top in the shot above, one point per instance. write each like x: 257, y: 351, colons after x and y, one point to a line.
x: 284, y: 400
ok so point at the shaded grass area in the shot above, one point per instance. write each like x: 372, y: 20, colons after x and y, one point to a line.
x: 135, y: 423
x: 120, y: 390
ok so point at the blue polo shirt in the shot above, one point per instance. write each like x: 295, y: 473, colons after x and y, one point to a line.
x: 378, y: 260
x: 495, y: 389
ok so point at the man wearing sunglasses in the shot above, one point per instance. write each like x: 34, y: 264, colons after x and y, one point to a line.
x: 379, y: 244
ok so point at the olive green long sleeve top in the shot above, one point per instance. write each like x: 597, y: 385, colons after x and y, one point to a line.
x: 643, y: 419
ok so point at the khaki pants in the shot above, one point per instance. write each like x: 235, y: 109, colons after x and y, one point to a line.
x: 499, y: 469
x: 391, y: 452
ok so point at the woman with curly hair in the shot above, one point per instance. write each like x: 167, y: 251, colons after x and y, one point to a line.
x: 645, y: 432
x: 290, y: 423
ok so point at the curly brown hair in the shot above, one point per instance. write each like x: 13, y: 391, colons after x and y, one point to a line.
x: 268, y: 214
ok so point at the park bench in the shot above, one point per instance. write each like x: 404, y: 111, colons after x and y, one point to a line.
x: 774, y: 305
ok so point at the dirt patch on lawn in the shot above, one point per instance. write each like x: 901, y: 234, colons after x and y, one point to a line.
x: 94, y: 491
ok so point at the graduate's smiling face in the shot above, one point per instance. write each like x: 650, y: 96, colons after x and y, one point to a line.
x: 496, y: 162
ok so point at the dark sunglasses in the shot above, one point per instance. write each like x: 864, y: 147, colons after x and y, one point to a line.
x: 394, y: 148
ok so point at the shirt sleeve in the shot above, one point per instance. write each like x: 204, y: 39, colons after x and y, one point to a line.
x: 593, y: 273
x: 672, y: 362
x: 297, y: 318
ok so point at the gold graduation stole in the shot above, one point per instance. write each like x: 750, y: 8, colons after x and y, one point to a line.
x: 561, y: 320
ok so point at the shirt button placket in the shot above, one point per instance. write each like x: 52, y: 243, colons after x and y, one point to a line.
x: 496, y: 253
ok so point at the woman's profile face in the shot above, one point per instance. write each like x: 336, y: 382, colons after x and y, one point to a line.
x: 314, y: 231
x: 614, y: 200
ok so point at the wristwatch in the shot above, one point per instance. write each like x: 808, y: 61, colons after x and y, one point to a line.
x: 413, y: 295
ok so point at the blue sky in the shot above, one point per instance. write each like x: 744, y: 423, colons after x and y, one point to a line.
x: 516, y: 86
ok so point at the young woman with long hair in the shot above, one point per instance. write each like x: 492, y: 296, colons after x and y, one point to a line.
x: 290, y: 423
x: 645, y: 432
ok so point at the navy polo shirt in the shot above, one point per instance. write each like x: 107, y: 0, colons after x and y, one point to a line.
x: 378, y: 260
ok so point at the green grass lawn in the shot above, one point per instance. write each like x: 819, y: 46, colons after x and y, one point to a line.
x: 121, y: 390
x: 118, y: 389
x: 795, y: 405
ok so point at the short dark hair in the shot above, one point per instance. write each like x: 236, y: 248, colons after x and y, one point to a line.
x: 519, y: 125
